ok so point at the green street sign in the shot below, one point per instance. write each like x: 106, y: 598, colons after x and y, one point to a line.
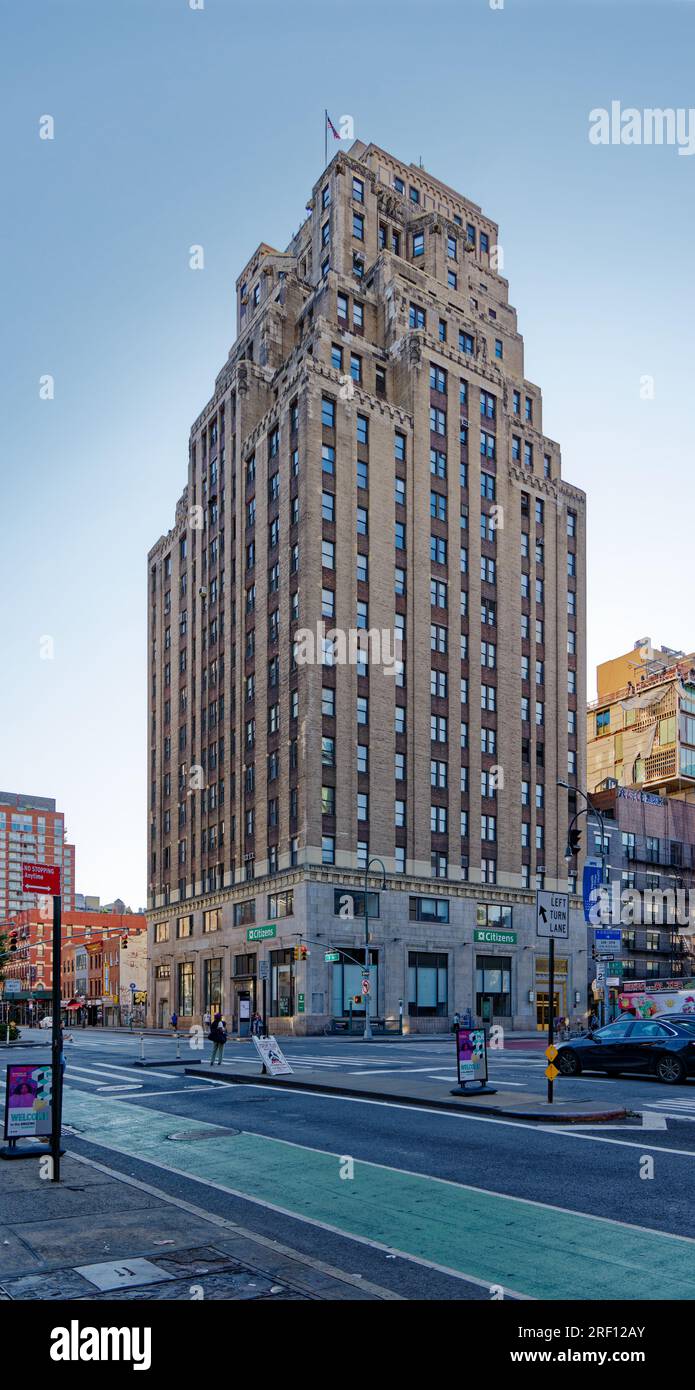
x: 300, y: 1003
x: 260, y: 933
x: 331, y: 957
x: 492, y: 937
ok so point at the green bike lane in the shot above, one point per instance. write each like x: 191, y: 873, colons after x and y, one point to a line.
x: 508, y: 1241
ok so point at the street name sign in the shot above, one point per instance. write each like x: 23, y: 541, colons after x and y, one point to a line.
x: 552, y: 914
x: 332, y: 957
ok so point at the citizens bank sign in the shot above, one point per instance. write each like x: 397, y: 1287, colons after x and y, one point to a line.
x: 491, y: 937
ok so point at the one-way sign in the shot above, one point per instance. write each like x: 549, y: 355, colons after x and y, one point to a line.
x: 552, y: 914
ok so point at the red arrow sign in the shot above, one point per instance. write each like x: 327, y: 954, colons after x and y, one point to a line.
x: 41, y: 878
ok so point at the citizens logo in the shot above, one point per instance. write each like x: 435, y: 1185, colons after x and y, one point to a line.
x: 75, y: 1343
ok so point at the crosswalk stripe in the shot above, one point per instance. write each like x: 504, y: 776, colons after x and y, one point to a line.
x: 102, y: 1073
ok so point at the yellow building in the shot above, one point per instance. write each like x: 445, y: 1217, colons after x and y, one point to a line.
x: 641, y: 728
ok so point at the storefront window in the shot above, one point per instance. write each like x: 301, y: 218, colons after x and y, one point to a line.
x: 493, y: 982
x: 347, y: 984
x: 185, y: 989
x: 281, y: 1005
x: 427, y: 984
x: 212, y: 986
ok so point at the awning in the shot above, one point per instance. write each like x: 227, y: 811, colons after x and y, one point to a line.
x: 74, y: 1004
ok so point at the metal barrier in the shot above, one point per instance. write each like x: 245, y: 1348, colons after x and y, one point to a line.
x: 160, y: 1033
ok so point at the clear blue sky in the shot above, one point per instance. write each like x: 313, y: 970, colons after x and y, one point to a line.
x: 175, y: 126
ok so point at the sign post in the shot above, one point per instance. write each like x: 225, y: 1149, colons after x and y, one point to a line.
x: 44, y: 879
x: 552, y: 921
x: 264, y: 971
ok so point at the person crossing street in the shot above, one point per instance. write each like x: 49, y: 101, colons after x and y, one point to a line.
x: 218, y: 1038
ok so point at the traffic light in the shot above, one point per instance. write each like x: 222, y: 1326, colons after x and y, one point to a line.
x: 13, y: 941
x: 357, y: 998
x: 296, y: 953
x: 304, y: 952
x: 124, y: 943
x: 574, y: 841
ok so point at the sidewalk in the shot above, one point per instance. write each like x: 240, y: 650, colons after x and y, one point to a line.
x: 95, y: 1236
x: 524, y: 1105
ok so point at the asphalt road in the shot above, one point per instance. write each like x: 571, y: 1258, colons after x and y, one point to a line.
x: 429, y: 1204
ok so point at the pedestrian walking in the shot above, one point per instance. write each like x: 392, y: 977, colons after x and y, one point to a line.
x: 207, y: 1018
x: 174, y: 1021
x: 218, y: 1038
x: 257, y: 1025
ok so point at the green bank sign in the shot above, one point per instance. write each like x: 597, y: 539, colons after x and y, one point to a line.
x: 259, y: 933
x: 491, y: 937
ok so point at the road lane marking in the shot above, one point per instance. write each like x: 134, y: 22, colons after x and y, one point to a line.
x: 126, y: 1087
x: 445, y: 1224
x: 273, y: 1245
x: 539, y: 1128
x: 71, y: 1069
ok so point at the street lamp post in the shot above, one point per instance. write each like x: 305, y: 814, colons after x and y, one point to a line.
x: 367, y: 998
x: 568, y: 856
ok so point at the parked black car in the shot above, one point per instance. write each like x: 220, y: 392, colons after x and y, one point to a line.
x: 664, y: 1048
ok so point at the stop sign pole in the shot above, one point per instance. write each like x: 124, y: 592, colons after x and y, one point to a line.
x: 44, y: 879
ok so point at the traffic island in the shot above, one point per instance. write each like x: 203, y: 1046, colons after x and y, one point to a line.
x: 404, y: 1090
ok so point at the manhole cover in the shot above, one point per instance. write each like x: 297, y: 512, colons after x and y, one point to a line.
x: 194, y: 1134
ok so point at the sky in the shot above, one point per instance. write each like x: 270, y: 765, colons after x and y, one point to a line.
x: 177, y: 126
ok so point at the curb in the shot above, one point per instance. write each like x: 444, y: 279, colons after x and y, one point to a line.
x: 243, y: 1078
x: 166, y: 1062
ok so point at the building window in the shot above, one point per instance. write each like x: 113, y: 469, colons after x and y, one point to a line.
x: 281, y: 904
x: 427, y: 984
x: 493, y: 985
x: 428, y: 909
x: 184, y: 992
x: 212, y: 986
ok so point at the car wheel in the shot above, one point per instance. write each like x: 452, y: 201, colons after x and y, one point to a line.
x: 568, y: 1064
x: 670, y: 1069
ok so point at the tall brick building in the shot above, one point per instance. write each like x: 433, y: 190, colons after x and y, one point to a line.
x: 32, y: 831
x: 373, y: 458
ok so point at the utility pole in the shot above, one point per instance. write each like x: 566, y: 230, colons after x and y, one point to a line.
x: 569, y: 855
x: 367, y: 998
x: 56, y: 1044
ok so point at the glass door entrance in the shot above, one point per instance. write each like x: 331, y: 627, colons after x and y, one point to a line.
x: 543, y: 1009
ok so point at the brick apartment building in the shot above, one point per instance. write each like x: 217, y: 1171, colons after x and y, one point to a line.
x: 32, y: 831
x: 97, y: 975
x: 373, y: 458
x: 91, y: 944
